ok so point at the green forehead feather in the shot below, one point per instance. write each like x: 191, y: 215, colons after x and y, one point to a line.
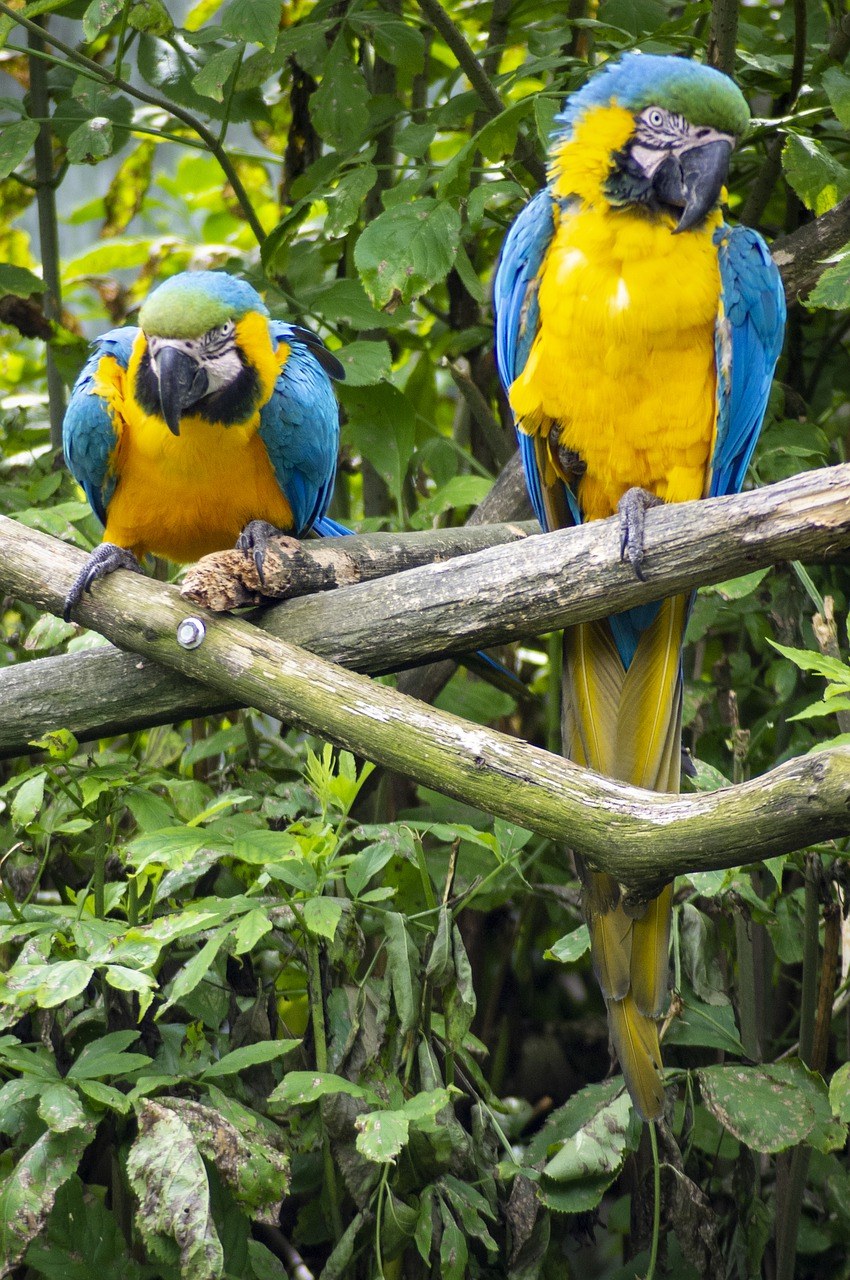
x: 718, y: 104
x: 188, y: 315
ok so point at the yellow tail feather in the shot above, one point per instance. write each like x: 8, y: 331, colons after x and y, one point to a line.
x: 627, y: 725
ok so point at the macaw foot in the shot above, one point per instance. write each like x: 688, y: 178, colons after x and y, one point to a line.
x: 254, y: 541
x: 571, y: 464
x: 632, y: 509
x: 103, y: 560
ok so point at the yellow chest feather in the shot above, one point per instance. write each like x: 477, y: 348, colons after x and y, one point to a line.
x: 184, y: 496
x: 622, y: 371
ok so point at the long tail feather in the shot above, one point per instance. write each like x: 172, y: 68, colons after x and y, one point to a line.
x: 625, y: 722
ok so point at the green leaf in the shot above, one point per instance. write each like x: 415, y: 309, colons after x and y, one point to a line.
x: 396, y: 42
x: 28, y: 1192
x: 56, y: 983
x: 99, y: 14
x: 571, y: 947
x: 381, y: 1135
x: 322, y: 915
x: 339, y: 107
x: 22, y: 284
x: 216, y: 71
x: 708, y: 1025
x: 837, y: 86
x: 346, y: 200
x: 91, y: 141
x: 381, y: 426
x: 832, y: 290
x: 173, y: 1215
x: 459, y: 1003
x: 366, y: 865
x: 454, y: 1253
x: 772, y: 1107
x: 60, y: 1109
x: 107, y: 1057
x: 365, y: 362
x: 251, y: 928
x: 196, y: 969
x: 402, y: 960
x: 839, y: 1093
x: 407, y: 249
x: 597, y: 1149
x: 300, y: 1087
x: 254, y: 21
x: 807, y: 660
x: 16, y: 143
x: 249, y: 1055
x: 440, y: 967
x: 739, y: 588
x: 28, y: 800
x: 817, y: 177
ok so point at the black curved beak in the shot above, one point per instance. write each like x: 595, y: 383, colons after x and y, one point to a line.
x: 182, y: 382
x: 693, y: 181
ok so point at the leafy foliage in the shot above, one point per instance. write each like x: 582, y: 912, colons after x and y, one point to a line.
x: 257, y: 1004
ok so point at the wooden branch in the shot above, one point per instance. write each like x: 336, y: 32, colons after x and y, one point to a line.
x: 801, y: 255
x: 640, y: 837
x: 501, y: 594
x: 228, y: 579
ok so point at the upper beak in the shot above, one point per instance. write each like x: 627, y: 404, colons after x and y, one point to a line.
x: 694, y: 180
x: 182, y: 382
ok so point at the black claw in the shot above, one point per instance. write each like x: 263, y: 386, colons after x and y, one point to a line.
x: 104, y: 560
x: 254, y: 541
x: 632, y: 509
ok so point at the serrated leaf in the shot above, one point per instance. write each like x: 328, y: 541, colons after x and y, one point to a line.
x: 839, y: 1093
x: 23, y: 284
x: 407, y: 250
x: 173, y: 1215
x: 91, y: 141
x: 381, y: 1135
x: 345, y: 202
x: 99, y: 14
x: 773, y: 1106
x: 571, y: 947
x: 598, y: 1148
x: 216, y: 72
x: 365, y: 362
x: 837, y: 86
x: 16, y: 143
x: 819, y: 179
x: 299, y: 1087
x: 254, y: 21
x: 833, y: 288
x: 249, y: 1055
x: 322, y: 915
x: 339, y: 107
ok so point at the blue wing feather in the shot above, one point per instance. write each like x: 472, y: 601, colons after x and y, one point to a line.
x: 748, y: 340
x: 88, y: 432
x: 517, y: 314
x: 300, y: 429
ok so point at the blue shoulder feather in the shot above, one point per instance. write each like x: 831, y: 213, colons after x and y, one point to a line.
x: 748, y: 340
x: 88, y: 431
x: 300, y: 426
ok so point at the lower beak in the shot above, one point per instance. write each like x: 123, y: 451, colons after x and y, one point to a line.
x: 182, y: 382
x: 694, y: 180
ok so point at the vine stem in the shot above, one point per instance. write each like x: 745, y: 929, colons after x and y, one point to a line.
x: 656, y: 1203
x: 114, y: 81
x: 317, y: 1013
x: 48, y: 232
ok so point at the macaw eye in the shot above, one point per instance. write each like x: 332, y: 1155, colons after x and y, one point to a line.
x: 226, y: 329
x: 655, y: 118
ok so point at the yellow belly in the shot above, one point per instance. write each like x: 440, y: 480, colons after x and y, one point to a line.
x: 184, y: 496
x: 623, y: 365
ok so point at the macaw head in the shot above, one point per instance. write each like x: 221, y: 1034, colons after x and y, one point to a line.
x: 208, y: 348
x: 650, y: 131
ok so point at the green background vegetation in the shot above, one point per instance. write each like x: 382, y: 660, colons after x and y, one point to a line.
x: 241, y: 970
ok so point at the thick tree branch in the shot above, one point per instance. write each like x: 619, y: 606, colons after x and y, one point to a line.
x: 800, y: 256
x: 528, y: 587
x: 639, y: 836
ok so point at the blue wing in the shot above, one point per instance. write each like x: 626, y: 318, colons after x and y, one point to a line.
x: 517, y: 316
x: 748, y: 340
x: 300, y: 427
x: 90, y: 431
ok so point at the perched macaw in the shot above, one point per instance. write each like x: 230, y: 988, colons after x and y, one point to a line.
x: 210, y: 424
x: 637, y: 334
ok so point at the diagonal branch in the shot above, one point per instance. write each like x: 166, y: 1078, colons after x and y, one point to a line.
x: 641, y: 837
x: 525, y: 588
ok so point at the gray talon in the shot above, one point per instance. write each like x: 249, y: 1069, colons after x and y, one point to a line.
x: 632, y: 509
x: 104, y: 560
x: 254, y: 541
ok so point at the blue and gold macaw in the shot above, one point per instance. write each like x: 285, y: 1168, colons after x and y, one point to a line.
x: 210, y: 424
x: 637, y: 334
